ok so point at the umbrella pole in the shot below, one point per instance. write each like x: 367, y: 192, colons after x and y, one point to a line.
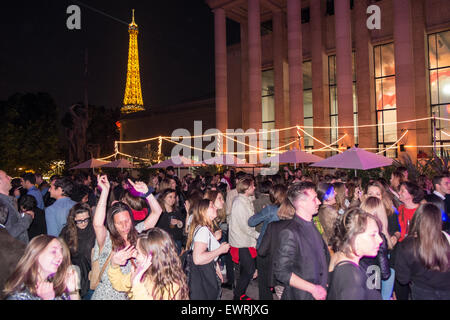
x: 356, y: 173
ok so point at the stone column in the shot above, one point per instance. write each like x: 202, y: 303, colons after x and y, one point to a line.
x: 404, y: 73
x: 344, y: 75
x: 424, y: 128
x: 365, y: 88
x: 295, y: 58
x: 244, y: 77
x: 277, y: 40
x: 220, y: 39
x: 254, y: 64
x: 321, y: 108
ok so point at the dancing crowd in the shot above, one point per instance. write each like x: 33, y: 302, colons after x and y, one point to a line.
x: 299, y: 237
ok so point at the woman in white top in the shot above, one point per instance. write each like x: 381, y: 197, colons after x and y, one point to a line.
x: 205, y: 247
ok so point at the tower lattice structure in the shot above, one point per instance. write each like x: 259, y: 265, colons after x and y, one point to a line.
x: 132, y: 101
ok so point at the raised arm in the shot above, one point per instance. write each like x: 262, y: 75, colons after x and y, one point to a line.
x: 155, y: 208
x: 100, y: 211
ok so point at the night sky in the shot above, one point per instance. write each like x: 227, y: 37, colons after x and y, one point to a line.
x: 39, y: 54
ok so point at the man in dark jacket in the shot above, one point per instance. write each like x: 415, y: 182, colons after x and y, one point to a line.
x: 301, y: 261
x: 11, y: 250
x: 16, y: 224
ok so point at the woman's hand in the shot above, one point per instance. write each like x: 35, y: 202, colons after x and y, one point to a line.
x: 187, y: 206
x: 139, y: 186
x: 103, y: 183
x: 121, y: 257
x: 224, y: 247
x: 137, y: 273
x: 71, y: 280
x: 45, y: 290
x: 219, y: 273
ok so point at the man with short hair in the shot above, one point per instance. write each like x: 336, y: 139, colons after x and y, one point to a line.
x: 441, y: 192
x: 242, y: 237
x: 301, y: 260
x: 56, y: 215
x: 17, y: 224
x: 297, y: 175
x: 29, y: 183
x: 11, y: 250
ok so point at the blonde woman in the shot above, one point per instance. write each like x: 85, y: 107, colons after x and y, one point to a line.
x: 43, y: 273
x: 376, y: 189
x: 158, y: 274
x: 384, y: 275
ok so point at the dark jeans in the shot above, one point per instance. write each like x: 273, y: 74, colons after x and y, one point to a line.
x: 263, y: 279
x: 226, y: 259
x: 418, y: 293
x: 246, y: 270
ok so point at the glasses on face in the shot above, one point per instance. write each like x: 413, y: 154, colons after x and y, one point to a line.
x: 82, y: 221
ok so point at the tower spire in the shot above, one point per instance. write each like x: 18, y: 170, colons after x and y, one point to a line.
x: 133, y: 101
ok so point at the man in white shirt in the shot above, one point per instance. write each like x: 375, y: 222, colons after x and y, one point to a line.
x: 242, y: 238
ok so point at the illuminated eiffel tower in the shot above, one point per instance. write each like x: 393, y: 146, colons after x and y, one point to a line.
x: 132, y: 101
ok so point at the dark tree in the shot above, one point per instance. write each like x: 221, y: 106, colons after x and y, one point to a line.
x: 29, y: 132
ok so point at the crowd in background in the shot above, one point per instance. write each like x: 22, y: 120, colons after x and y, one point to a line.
x: 112, y: 237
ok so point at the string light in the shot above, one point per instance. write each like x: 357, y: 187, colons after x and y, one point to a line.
x: 285, y: 129
x: 315, y: 139
x: 392, y: 146
x: 234, y: 153
x: 438, y: 146
x: 328, y: 146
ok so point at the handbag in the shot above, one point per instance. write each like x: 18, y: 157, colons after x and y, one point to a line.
x: 203, y: 282
x: 95, y: 274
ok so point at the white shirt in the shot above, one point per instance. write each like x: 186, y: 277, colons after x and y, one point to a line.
x: 205, y: 236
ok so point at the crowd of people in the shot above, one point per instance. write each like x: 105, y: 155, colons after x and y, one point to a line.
x: 301, y: 237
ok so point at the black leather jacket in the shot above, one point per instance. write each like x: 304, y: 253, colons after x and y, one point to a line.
x: 381, y: 260
x: 302, y: 252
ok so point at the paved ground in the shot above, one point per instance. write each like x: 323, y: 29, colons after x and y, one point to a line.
x: 252, y: 291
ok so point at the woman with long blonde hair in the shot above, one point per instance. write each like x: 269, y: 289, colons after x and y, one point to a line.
x: 43, y: 273
x: 158, y: 274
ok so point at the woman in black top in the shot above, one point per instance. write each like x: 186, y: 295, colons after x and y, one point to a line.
x: 356, y: 235
x: 79, y: 235
x: 172, y: 218
x: 423, y: 258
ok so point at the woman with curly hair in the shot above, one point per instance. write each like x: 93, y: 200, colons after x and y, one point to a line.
x: 158, y: 274
x: 79, y: 235
x: 43, y: 273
